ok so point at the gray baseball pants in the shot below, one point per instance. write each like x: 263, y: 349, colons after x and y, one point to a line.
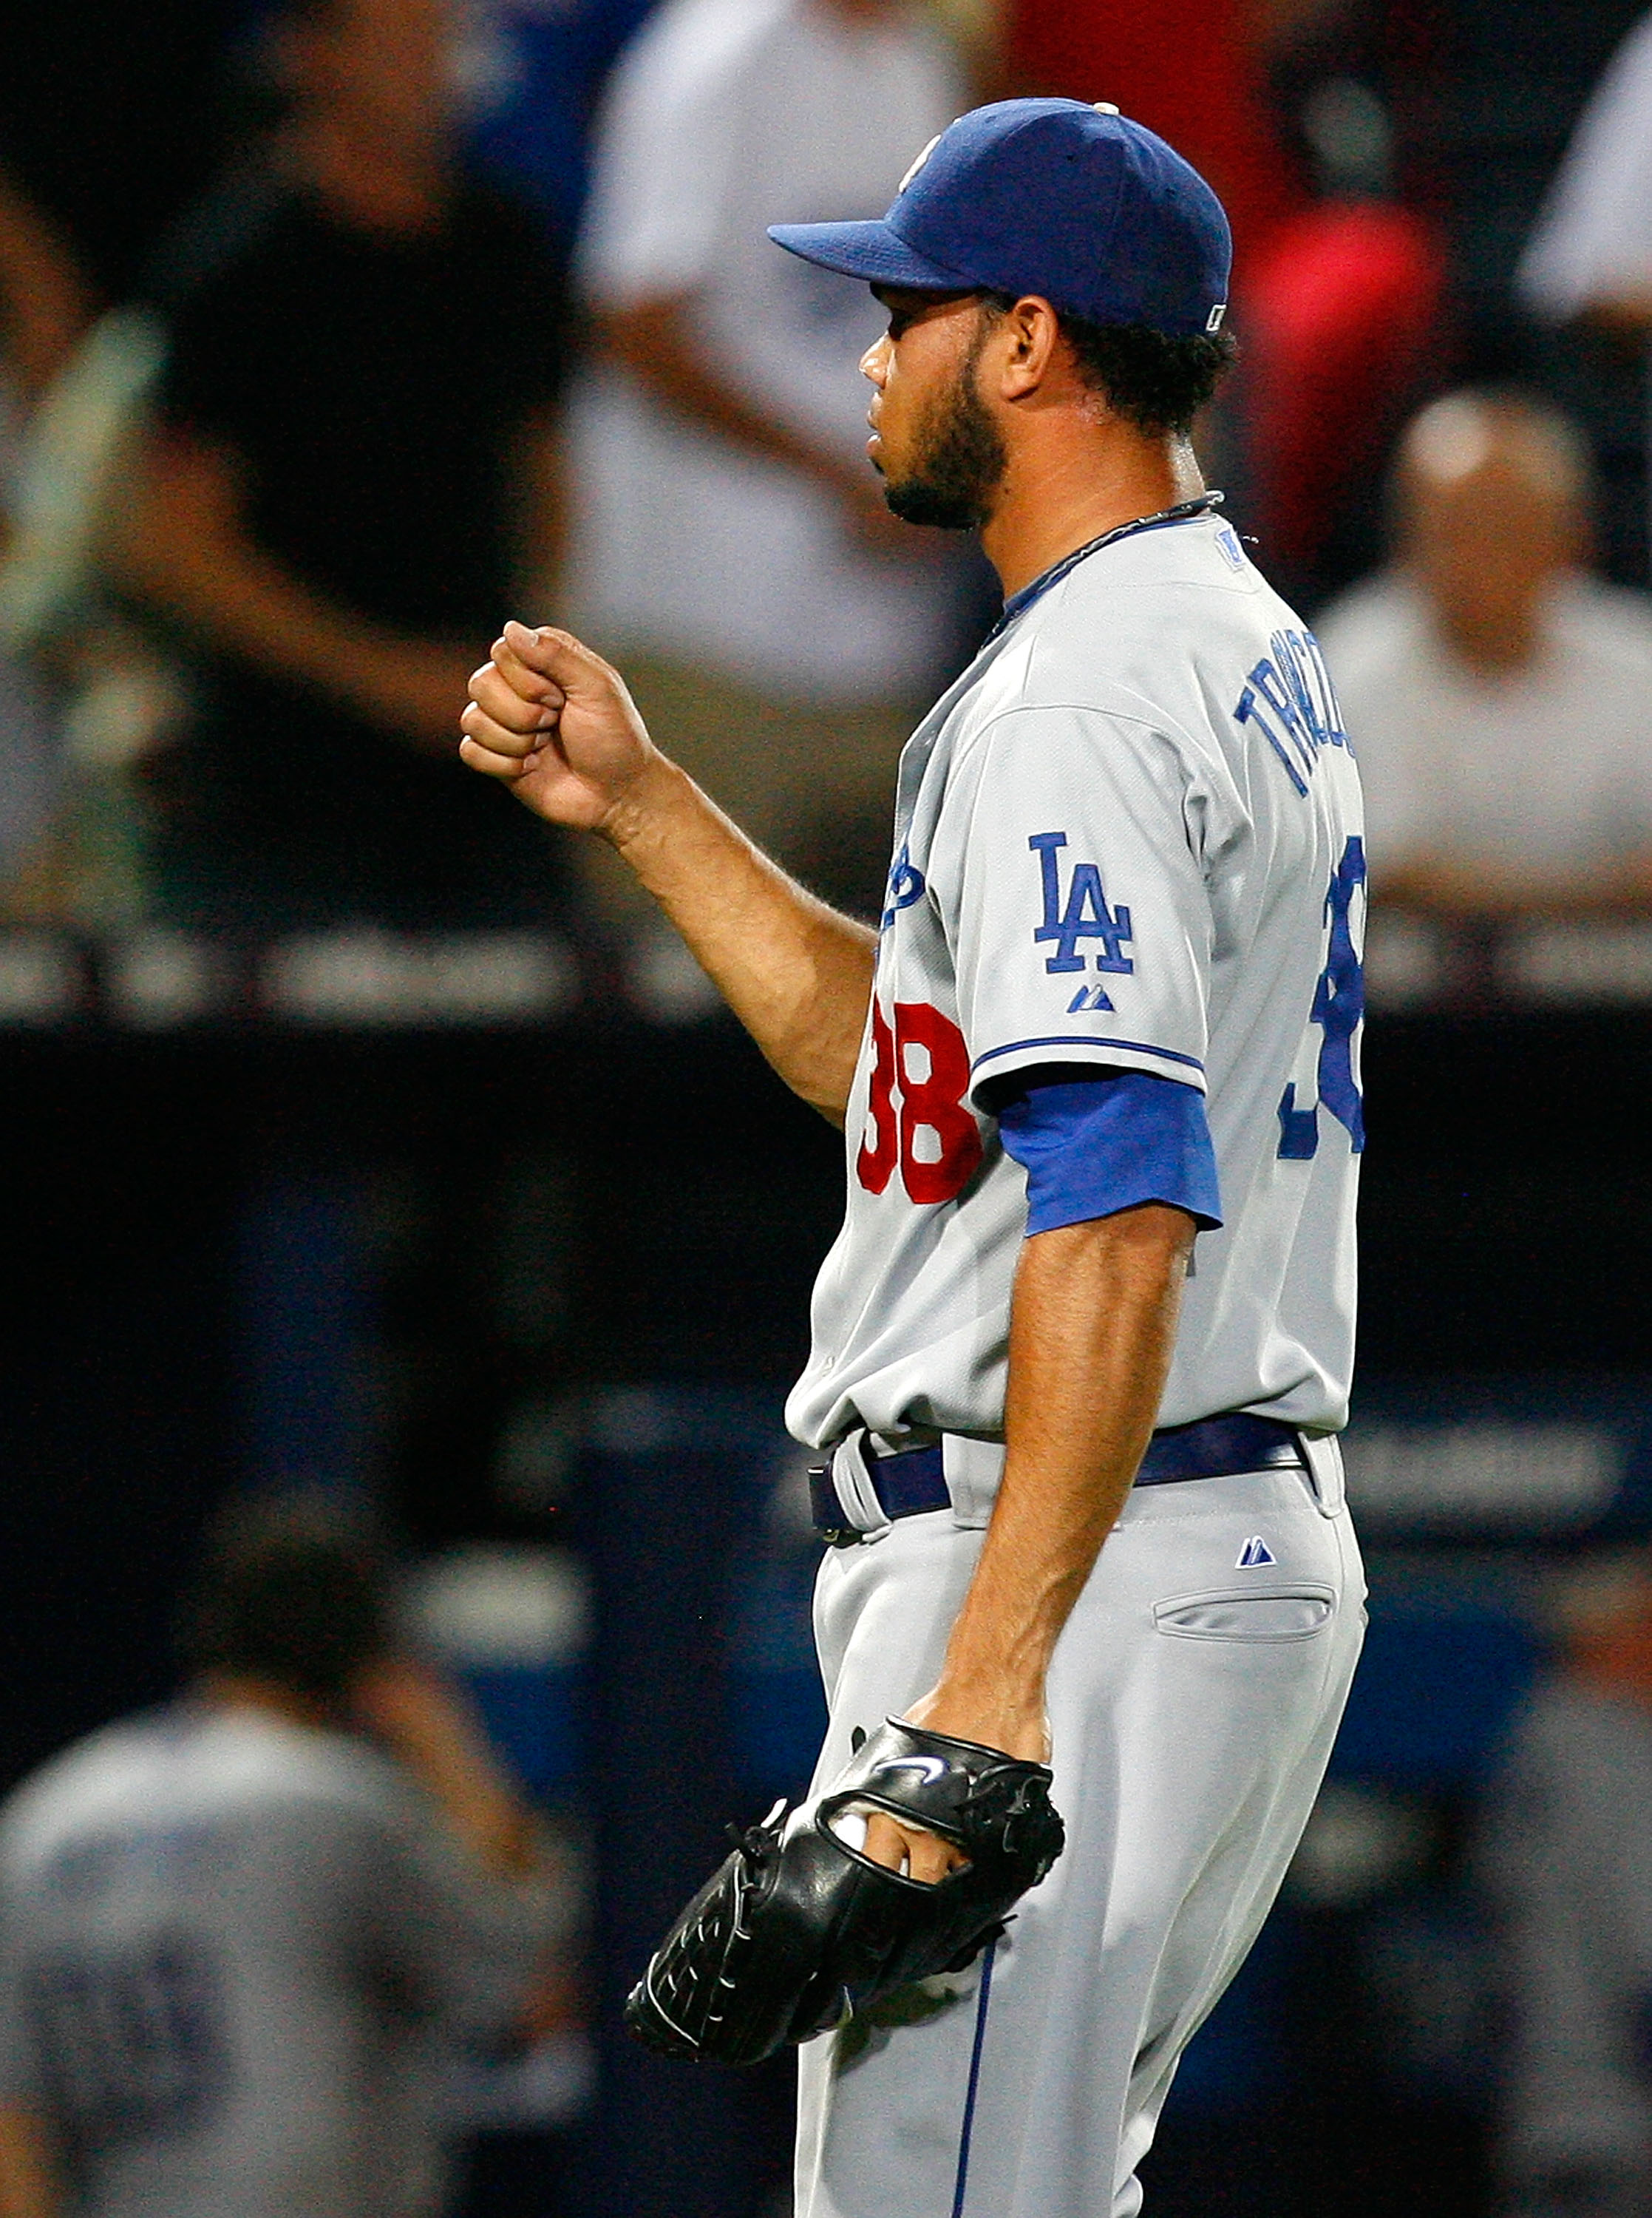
x: 1193, y: 1703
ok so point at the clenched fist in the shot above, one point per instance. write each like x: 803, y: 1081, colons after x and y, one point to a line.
x: 555, y: 722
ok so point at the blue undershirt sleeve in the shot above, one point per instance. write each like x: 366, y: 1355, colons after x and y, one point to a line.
x: 1092, y: 1146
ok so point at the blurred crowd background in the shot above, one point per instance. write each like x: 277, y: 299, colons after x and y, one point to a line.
x: 403, y: 1573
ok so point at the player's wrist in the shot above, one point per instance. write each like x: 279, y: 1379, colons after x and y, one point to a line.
x: 644, y: 808
x: 986, y: 1706
x: 1002, y: 1644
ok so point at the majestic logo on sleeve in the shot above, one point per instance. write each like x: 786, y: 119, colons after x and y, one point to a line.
x: 1078, y: 912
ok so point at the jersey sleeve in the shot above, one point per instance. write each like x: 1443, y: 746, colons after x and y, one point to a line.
x: 1065, y: 866
x: 1110, y: 1142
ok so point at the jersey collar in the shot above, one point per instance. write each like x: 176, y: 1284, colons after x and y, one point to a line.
x: 1184, y: 513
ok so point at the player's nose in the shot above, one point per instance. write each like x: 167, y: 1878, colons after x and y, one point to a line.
x: 874, y: 362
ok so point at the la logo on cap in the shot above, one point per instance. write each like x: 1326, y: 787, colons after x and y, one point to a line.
x: 917, y: 165
x: 1088, y: 208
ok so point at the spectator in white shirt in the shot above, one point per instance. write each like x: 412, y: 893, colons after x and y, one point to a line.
x: 1498, y: 698
x: 1590, y: 254
x: 731, y: 547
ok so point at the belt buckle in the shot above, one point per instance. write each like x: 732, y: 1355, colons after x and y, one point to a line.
x: 835, y: 1536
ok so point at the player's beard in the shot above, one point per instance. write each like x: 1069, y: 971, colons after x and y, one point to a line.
x: 959, y: 457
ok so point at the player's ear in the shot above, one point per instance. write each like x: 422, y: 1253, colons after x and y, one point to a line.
x: 1027, y: 338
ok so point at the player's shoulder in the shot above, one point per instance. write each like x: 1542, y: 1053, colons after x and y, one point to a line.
x: 183, y: 1765
x: 1144, y: 614
x: 97, y: 1781
x: 1146, y: 634
x: 1200, y: 553
x: 249, y: 1763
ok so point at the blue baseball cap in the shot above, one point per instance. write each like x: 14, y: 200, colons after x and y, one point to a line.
x: 1078, y: 204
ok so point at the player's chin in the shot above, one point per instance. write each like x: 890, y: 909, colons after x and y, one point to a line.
x: 934, y: 507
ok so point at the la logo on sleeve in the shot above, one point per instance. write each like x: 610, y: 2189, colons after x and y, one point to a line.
x: 1079, y: 912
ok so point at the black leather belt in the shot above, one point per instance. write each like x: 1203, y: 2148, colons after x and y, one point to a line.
x: 913, y: 1482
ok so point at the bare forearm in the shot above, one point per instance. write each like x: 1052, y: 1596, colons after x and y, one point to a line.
x: 1092, y: 1328
x: 427, y: 1725
x: 251, y: 607
x: 796, y: 974
x: 554, y: 720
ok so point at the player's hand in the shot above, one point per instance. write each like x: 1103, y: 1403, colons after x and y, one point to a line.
x: 1018, y: 1724
x: 552, y: 719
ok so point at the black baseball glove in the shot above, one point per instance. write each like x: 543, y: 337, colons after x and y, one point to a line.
x: 798, y: 1928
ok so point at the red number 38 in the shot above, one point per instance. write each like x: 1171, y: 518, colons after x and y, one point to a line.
x: 915, y: 1111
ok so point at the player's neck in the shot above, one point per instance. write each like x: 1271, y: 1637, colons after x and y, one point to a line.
x: 1059, y: 492
x: 244, y: 1693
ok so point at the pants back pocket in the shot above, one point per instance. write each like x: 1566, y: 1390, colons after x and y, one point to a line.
x: 1296, y: 1612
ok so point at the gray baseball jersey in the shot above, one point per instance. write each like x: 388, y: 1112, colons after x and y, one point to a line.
x: 1129, y: 837
x: 230, y: 1953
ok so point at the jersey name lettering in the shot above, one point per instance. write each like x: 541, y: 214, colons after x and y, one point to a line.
x: 1289, y: 698
x: 1084, y: 914
x: 1338, y: 1005
x: 915, y: 1113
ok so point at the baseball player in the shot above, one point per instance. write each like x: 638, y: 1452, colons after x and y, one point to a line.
x: 1082, y: 1349
x: 242, y: 1938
